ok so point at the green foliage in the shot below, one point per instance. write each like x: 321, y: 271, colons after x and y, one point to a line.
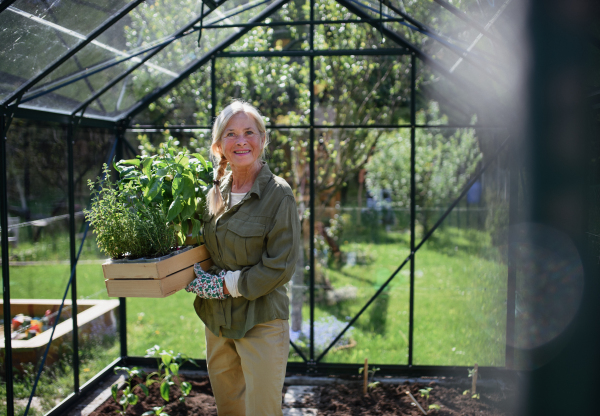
x: 124, y: 225
x: 173, y: 180
x: 157, y: 410
x: 444, y: 161
x: 128, y: 397
x: 370, y: 374
x: 425, y: 392
x: 434, y: 407
x: 168, y: 372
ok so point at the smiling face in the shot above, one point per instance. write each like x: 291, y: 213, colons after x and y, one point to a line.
x: 241, y: 141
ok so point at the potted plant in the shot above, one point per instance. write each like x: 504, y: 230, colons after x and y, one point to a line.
x: 142, y: 221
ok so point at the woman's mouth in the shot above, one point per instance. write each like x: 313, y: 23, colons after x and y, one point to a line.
x: 241, y: 152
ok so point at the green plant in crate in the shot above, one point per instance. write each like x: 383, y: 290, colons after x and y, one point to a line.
x: 168, y: 372
x: 129, y: 397
x: 177, y: 181
x: 123, y: 224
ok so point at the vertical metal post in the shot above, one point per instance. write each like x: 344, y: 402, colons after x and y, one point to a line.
x: 8, y: 370
x: 213, y: 89
x: 122, y: 301
x: 311, y: 149
x: 413, y: 117
x: 511, y: 286
x: 72, y: 252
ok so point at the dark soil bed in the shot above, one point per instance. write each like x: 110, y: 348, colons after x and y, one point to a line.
x: 390, y: 399
x: 337, y: 399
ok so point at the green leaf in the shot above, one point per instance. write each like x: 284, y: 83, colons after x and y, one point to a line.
x: 147, y: 167
x: 435, y: 406
x: 196, y: 226
x: 133, y: 399
x: 114, y: 389
x: 189, y: 209
x: 123, y: 400
x: 186, y: 388
x: 144, y: 389
x: 166, y: 358
x: 189, y: 359
x: 133, y: 162
x: 148, y: 413
x: 175, y: 208
x: 153, y: 189
x: 200, y: 159
x: 151, y: 382
x: 174, y: 368
x: 164, y: 391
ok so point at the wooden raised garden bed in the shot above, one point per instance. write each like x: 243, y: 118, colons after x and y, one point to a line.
x: 154, y: 278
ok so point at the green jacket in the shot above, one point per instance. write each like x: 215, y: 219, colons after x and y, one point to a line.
x: 261, y: 237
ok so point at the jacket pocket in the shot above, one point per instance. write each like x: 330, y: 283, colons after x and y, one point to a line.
x: 246, y: 240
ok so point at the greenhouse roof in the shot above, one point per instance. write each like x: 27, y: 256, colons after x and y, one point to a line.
x: 108, y: 60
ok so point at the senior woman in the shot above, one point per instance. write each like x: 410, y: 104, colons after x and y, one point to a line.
x: 252, y: 232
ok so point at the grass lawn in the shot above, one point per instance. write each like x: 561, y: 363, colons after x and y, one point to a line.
x: 460, y: 306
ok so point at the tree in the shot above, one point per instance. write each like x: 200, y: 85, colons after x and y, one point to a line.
x: 444, y: 161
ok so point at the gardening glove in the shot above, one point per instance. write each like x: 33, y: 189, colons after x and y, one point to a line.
x: 206, y: 285
x: 231, y: 281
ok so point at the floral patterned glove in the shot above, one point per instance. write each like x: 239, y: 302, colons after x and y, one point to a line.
x: 206, y: 285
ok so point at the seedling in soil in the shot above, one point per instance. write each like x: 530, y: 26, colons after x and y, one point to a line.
x: 156, y: 411
x: 434, y: 407
x: 168, y: 372
x: 128, y: 397
x: 369, y: 375
x: 425, y: 392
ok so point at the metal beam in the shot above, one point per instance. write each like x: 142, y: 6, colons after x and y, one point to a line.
x: 413, y: 212
x: 46, y: 115
x: 8, y: 368
x: 124, y: 11
x: 143, y: 60
x: 151, y: 128
x: 72, y: 251
x: 200, y: 62
x: 6, y: 4
x: 338, y: 52
x: 400, y: 40
x: 465, y: 18
x: 304, y: 23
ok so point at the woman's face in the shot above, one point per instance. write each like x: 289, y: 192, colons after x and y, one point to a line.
x: 241, y: 142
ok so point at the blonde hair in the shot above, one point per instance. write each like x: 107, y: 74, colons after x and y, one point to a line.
x: 214, y: 198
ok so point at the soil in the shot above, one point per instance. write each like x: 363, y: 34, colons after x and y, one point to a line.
x: 336, y: 399
x: 390, y: 399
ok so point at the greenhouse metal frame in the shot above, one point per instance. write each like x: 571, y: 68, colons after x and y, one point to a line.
x: 375, y: 13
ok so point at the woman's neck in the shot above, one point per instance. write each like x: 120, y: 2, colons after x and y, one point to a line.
x: 243, y: 178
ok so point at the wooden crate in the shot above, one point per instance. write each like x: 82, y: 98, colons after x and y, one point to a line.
x: 154, y: 279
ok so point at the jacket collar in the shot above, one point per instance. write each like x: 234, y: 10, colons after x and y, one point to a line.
x: 258, y: 187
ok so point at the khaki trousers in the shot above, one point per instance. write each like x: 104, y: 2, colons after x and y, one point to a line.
x: 247, y: 374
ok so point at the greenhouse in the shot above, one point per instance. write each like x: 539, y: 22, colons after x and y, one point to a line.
x: 443, y: 155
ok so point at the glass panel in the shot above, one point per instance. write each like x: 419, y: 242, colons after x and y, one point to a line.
x: 379, y: 91
x: 39, y: 254
x: 461, y: 287
x: 287, y: 158
x: 41, y: 32
x: 350, y: 36
x: 442, y: 101
x: 460, y: 272
x: 277, y: 38
x: 91, y: 150
x: 293, y: 11
x: 362, y: 235
x: 277, y: 86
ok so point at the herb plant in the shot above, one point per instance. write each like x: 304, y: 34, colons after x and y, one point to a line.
x: 175, y: 181
x: 156, y: 411
x: 124, y: 226
x: 128, y: 397
x: 168, y: 372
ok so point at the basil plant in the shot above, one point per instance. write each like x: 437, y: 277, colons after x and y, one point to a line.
x: 176, y: 181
